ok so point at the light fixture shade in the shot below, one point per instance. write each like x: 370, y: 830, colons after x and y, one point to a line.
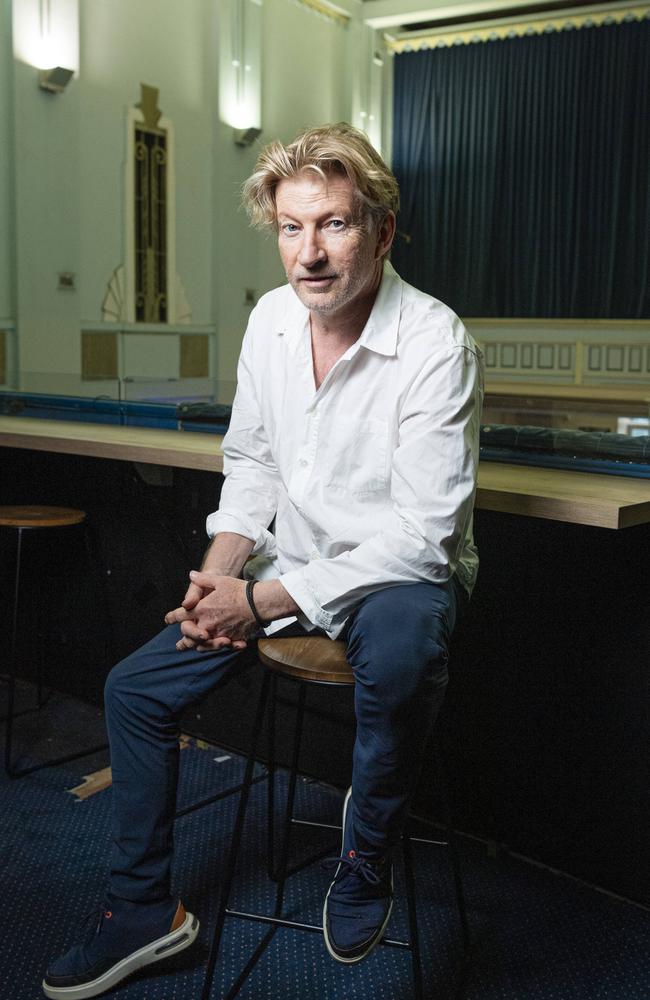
x: 246, y: 136
x: 55, y: 80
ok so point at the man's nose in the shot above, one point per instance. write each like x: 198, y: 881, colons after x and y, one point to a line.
x: 312, y: 251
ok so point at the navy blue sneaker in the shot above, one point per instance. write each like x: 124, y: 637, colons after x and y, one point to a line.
x: 360, y: 899
x: 120, y: 940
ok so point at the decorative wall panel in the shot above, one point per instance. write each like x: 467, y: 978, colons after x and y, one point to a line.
x: 99, y: 356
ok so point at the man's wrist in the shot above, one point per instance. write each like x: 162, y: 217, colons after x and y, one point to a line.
x: 250, y: 586
x: 273, y: 601
x: 227, y: 554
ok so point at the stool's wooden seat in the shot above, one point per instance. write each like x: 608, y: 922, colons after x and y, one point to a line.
x: 40, y: 517
x: 308, y: 658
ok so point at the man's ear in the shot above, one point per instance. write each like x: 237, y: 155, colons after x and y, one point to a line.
x: 385, y: 235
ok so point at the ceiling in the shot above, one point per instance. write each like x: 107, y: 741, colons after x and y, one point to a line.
x: 401, y: 16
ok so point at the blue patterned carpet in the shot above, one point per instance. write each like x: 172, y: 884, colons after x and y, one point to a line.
x: 536, y: 935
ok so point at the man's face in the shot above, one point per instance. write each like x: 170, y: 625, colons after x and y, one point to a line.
x: 331, y: 256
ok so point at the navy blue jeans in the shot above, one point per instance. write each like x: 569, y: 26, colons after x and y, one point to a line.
x: 397, y: 643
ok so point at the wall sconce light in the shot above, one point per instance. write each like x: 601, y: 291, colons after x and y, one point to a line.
x: 240, y: 68
x: 55, y: 80
x: 246, y: 136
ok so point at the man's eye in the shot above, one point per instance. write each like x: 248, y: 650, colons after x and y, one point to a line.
x: 336, y: 224
x: 289, y: 228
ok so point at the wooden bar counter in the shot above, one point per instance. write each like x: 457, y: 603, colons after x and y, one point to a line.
x: 552, y: 494
x: 546, y: 718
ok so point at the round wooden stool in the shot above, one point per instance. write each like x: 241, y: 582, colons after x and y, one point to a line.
x: 23, y: 519
x: 40, y: 517
x: 310, y: 660
x: 307, y: 661
x: 307, y: 658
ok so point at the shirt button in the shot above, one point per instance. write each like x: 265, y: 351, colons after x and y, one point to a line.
x: 302, y: 462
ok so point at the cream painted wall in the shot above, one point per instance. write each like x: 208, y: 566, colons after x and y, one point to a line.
x: 6, y: 160
x: 123, y: 45
x: 47, y: 170
x: 69, y: 163
x: 305, y: 74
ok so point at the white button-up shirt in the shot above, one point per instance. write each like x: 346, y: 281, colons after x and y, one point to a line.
x: 371, y: 477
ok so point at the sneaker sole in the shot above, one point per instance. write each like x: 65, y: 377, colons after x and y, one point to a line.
x: 373, y: 944
x: 164, y: 947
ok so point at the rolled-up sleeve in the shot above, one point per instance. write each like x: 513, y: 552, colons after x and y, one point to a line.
x: 433, y: 484
x: 249, y: 495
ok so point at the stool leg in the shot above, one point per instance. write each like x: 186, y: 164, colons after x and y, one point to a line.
x: 458, y: 887
x: 270, y: 785
x: 96, y: 568
x: 452, y: 847
x: 235, y: 842
x: 281, y: 873
x: 12, y: 661
x: 414, y: 937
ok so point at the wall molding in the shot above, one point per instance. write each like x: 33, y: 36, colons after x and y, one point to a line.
x: 570, y: 19
x: 565, y: 352
x: 326, y: 10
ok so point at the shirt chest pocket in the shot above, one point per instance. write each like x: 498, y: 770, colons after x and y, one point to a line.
x: 357, y: 456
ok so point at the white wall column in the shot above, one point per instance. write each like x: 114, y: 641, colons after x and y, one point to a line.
x: 46, y: 186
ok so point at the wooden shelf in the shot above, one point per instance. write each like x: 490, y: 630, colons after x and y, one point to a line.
x: 552, y: 494
x: 179, y: 449
x: 562, y: 495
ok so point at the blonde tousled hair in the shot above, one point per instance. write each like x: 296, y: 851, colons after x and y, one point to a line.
x: 331, y: 149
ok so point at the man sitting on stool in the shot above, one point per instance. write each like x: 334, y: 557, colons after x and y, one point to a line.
x: 355, y: 428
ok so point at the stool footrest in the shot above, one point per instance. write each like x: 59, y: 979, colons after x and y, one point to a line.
x: 306, y: 862
x: 313, y: 823
x: 430, y: 843
x: 217, y: 797
x: 20, y: 772
x: 260, y: 918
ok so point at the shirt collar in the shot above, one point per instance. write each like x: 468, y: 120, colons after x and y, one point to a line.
x: 381, y: 330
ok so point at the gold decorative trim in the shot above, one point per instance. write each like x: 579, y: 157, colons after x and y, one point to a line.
x: 325, y: 10
x: 488, y: 31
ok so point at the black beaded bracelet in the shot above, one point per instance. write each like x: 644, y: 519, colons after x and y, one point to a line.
x: 249, y: 598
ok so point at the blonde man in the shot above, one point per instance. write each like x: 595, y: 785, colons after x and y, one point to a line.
x: 355, y: 430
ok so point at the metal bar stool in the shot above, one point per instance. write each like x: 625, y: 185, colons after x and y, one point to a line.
x: 31, y: 519
x: 306, y: 661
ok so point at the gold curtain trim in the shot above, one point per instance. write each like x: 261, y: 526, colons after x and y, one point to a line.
x: 517, y: 28
x: 331, y: 13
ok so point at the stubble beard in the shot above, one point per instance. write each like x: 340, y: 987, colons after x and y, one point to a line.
x: 331, y: 299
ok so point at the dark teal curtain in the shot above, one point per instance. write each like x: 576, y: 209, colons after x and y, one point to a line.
x: 524, y: 168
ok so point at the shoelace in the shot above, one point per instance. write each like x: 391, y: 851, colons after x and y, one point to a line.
x: 354, y: 865
x: 93, y: 920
